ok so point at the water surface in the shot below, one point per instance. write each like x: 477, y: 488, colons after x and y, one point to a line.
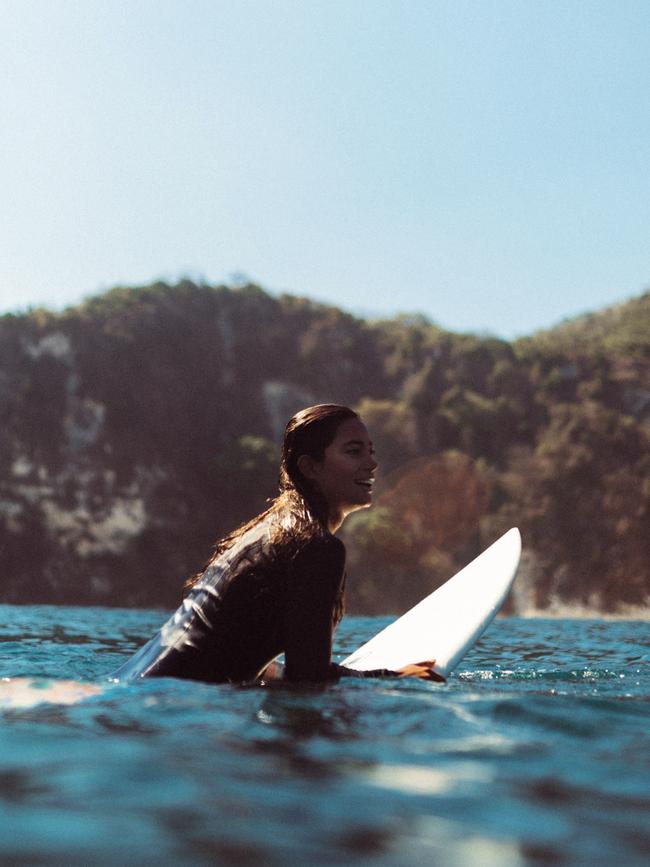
x: 536, y: 752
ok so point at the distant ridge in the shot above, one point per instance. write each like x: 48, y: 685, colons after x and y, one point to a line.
x: 142, y: 423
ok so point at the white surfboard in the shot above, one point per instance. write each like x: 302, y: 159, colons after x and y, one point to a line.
x: 448, y: 622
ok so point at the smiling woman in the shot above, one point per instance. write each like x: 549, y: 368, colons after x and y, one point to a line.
x: 344, y: 475
x: 276, y: 585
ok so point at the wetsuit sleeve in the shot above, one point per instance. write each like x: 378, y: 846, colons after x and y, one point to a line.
x: 341, y: 671
x: 314, y: 583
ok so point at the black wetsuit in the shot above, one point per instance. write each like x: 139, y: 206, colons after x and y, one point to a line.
x: 252, y: 603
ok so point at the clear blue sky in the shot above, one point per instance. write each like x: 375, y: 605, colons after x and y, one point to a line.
x: 486, y: 163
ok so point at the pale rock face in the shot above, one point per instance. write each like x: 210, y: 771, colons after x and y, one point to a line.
x: 11, y: 512
x: 227, y: 339
x: 569, y: 371
x: 523, y: 589
x: 636, y: 400
x: 100, y: 585
x: 282, y: 400
x: 22, y: 467
x: 56, y: 345
x: 84, y: 417
x: 84, y: 422
x: 109, y: 535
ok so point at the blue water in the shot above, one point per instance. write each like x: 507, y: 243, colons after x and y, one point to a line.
x: 536, y: 752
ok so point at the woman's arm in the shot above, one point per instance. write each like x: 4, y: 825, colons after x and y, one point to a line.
x: 313, y: 585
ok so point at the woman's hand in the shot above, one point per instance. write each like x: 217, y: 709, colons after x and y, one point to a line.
x: 273, y: 671
x: 423, y: 670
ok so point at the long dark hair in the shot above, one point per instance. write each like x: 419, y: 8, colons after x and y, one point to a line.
x: 298, y: 512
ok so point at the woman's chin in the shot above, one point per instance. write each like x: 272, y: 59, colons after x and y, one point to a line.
x: 364, y: 503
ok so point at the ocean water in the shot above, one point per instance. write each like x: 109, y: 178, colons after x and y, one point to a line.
x: 536, y: 752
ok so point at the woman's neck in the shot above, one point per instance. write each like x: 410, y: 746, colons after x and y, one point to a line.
x: 334, y: 520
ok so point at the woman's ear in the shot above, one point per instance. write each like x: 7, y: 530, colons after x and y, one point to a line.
x: 308, y: 467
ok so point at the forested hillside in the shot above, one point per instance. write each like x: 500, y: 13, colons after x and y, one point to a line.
x: 142, y: 424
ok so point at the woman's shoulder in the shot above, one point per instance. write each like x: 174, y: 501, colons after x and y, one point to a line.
x: 246, y: 543
x: 287, y: 536
x: 322, y: 547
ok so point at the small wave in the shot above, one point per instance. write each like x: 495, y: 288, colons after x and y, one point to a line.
x: 546, y: 674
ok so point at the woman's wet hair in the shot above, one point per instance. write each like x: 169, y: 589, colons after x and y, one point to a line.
x: 300, y: 510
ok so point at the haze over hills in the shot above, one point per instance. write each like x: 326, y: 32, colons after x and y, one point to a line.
x: 145, y: 422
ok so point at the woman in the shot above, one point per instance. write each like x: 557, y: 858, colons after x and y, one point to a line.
x: 276, y: 584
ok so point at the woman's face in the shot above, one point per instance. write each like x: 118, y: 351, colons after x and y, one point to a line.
x: 346, y: 474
